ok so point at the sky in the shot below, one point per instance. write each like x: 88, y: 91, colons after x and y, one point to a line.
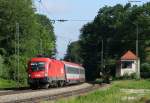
x: 69, y: 31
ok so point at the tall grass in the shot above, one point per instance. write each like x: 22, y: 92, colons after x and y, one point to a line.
x: 95, y: 97
x: 113, y: 94
x: 4, y: 84
x: 133, y: 84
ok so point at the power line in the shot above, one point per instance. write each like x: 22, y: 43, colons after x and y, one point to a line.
x: 72, y: 20
x: 134, y: 1
x: 60, y: 20
x: 63, y: 20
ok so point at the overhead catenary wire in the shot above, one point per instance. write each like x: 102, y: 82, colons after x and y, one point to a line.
x: 59, y: 20
x: 64, y: 20
x: 134, y: 1
x: 80, y: 20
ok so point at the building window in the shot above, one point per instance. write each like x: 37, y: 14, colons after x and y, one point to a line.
x: 127, y: 64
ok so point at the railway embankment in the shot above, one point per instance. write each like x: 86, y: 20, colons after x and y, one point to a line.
x: 45, y: 94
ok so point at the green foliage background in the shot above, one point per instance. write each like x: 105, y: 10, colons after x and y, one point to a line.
x: 73, y: 53
x: 36, y: 36
x: 117, y: 27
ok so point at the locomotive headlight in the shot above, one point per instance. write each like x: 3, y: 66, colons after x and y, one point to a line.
x: 29, y: 75
x: 46, y: 74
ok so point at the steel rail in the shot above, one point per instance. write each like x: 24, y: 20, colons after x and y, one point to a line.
x: 61, y: 95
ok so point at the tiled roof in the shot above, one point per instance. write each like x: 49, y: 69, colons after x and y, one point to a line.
x: 129, y: 56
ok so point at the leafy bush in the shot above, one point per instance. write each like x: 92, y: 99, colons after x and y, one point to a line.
x: 145, y: 67
x: 133, y: 76
x: 1, y: 65
x: 145, y: 70
x: 127, y: 76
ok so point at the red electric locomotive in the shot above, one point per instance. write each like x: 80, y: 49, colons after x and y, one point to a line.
x: 50, y: 72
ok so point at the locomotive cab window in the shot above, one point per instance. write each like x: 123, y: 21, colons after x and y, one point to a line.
x: 37, y: 66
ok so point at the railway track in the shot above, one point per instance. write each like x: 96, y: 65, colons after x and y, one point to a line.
x: 24, y: 90
x: 14, y: 91
x: 35, y: 96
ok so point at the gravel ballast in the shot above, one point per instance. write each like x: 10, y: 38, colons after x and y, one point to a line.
x: 34, y: 94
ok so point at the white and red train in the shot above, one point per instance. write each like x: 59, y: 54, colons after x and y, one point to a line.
x: 50, y: 72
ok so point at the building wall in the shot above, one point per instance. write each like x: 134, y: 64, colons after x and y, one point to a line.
x: 128, y: 70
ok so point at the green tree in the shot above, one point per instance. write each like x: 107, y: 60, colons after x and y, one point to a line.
x: 117, y: 27
x: 1, y: 66
x: 33, y: 29
x: 46, y: 37
x: 73, y: 53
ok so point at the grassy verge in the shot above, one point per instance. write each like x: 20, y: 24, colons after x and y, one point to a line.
x: 119, y: 92
x: 133, y: 84
x: 4, y: 84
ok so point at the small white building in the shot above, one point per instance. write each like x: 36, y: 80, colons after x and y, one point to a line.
x: 128, y: 64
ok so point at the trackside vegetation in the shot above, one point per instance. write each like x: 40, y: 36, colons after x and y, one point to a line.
x: 127, y: 91
x: 36, y: 36
x: 133, y: 84
x: 10, y: 84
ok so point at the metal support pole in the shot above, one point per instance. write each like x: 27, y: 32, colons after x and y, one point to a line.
x: 17, y: 32
x: 15, y: 71
x: 41, y: 46
x: 102, y: 55
x: 137, y: 43
x: 137, y: 51
x: 137, y: 38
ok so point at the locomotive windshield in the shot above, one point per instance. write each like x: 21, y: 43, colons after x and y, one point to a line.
x: 37, y: 66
